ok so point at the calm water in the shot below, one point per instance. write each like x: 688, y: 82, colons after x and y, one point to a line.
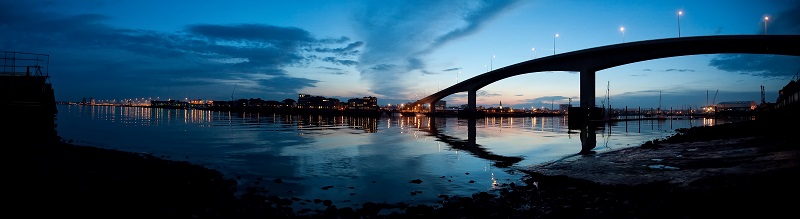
x: 351, y: 160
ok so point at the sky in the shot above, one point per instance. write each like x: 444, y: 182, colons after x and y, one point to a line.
x: 398, y: 51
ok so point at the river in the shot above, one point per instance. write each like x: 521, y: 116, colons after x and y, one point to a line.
x: 352, y: 160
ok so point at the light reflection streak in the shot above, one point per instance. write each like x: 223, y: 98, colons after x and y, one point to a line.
x: 147, y: 116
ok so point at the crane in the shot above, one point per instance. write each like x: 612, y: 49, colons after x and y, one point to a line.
x: 714, y: 101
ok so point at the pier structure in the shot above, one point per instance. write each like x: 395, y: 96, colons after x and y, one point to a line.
x: 27, y: 99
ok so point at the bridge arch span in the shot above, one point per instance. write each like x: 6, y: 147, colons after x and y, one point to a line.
x: 589, y: 61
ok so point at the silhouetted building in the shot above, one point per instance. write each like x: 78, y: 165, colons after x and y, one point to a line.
x: 364, y: 103
x: 440, y: 105
x: 736, y: 106
x: 289, y: 103
x: 306, y: 101
x: 789, y: 95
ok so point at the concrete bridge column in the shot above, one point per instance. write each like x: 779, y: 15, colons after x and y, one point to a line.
x: 587, y: 90
x: 472, y: 96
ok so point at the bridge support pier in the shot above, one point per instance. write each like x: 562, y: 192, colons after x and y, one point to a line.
x: 472, y: 96
x: 579, y: 116
x: 471, y: 110
x: 587, y: 89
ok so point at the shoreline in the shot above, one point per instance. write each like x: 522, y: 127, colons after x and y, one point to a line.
x: 721, y: 166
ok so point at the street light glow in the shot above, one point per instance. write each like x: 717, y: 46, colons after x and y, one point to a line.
x: 766, y: 18
x: 622, y: 29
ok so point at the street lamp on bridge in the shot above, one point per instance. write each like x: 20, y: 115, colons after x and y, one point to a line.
x: 554, y: 44
x: 534, y: 52
x: 491, y: 66
x: 622, y: 29
x: 766, y: 18
x: 679, y: 23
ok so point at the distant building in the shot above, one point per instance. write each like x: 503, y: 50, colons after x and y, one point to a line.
x: 306, y: 101
x: 364, y: 103
x: 289, y: 103
x: 169, y: 104
x: 736, y: 106
x: 440, y: 105
x: 789, y: 95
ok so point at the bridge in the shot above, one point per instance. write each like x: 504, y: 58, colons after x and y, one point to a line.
x: 589, y: 61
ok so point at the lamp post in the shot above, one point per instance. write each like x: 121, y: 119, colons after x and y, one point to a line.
x: 765, y: 24
x: 491, y: 61
x: 622, y: 29
x: 554, y: 44
x: 534, y: 52
x: 679, y: 23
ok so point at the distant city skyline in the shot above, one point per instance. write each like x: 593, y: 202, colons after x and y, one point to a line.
x: 397, y: 51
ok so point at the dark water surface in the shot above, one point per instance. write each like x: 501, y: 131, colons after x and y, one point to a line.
x: 352, y: 160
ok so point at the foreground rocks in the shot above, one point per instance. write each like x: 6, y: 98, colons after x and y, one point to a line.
x: 734, y: 170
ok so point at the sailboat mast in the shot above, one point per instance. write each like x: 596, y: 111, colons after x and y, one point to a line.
x: 234, y: 90
x: 659, y: 101
x: 608, y: 111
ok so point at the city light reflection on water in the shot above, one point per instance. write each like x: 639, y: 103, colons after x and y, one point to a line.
x: 363, y: 158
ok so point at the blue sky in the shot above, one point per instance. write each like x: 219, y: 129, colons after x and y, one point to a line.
x: 398, y: 51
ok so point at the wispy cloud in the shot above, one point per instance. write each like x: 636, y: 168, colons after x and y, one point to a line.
x: 758, y: 65
x: 484, y: 93
x: 679, y: 70
x: 670, y: 70
x: 334, y: 71
x: 786, y: 22
x: 137, y: 62
x: 398, y: 32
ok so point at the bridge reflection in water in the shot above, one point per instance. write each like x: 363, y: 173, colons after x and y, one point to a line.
x: 588, y: 140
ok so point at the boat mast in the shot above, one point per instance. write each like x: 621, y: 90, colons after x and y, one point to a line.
x: 234, y: 90
x: 659, y: 102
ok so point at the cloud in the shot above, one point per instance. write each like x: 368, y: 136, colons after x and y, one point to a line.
x: 334, y: 71
x: 679, y: 70
x: 267, y: 35
x: 397, y: 33
x: 671, y: 70
x: 122, y: 63
x: 483, y: 93
x: 452, y: 69
x: 286, y: 85
x: 334, y: 60
x: 547, y: 100
x: 786, y: 22
x: 758, y: 65
x: 349, y: 50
